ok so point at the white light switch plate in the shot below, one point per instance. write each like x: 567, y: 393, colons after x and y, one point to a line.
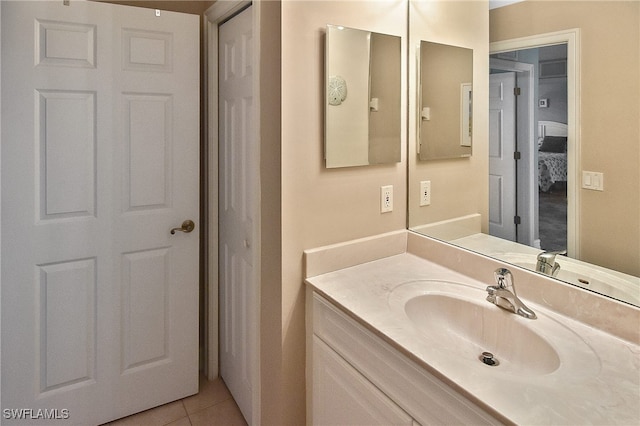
x: 593, y: 181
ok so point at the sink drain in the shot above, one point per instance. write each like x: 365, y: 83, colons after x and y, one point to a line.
x: 487, y: 358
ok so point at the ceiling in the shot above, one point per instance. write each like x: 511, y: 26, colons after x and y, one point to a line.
x: 493, y: 4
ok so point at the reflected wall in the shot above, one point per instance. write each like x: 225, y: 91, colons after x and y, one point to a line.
x: 445, y: 101
x: 459, y: 187
x: 609, y: 107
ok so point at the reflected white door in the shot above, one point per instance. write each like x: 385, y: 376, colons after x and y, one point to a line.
x: 100, y: 154
x: 238, y: 217
x: 502, y: 165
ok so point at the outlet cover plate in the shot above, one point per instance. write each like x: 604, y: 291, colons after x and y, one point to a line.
x: 386, y: 198
x: 425, y: 193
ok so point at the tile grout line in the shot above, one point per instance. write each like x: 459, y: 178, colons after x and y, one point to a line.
x: 186, y: 412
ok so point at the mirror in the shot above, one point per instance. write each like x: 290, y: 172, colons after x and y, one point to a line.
x: 444, y: 101
x: 362, y: 97
x: 603, y: 222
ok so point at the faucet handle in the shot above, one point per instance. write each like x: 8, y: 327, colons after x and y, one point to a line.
x: 550, y: 256
x: 503, y: 278
x: 547, y: 262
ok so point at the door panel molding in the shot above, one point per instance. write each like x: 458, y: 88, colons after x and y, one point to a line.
x: 99, y: 304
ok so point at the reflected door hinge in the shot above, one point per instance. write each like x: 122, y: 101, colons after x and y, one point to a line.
x: 516, y: 91
x: 516, y: 220
x: 516, y: 155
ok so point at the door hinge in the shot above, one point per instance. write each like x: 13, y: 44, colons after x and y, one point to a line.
x: 516, y: 220
x: 516, y: 155
x: 516, y: 91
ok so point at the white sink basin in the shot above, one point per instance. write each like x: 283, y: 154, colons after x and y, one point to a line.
x: 460, y: 324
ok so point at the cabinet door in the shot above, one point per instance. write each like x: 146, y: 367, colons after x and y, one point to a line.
x: 341, y: 395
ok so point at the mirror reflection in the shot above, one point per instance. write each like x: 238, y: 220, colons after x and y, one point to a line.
x: 362, y: 97
x: 577, y: 151
x: 528, y: 195
x: 445, y: 101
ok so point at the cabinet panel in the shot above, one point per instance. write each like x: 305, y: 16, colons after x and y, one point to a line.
x: 341, y: 395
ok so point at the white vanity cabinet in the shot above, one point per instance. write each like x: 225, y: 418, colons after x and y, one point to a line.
x: 341, y: 395
x: 357, y: 378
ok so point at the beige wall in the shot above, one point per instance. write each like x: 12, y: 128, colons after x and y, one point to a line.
x: 322, y: 206
x: 196, y: 7
x: 609, y: 114
x: 459, y: 187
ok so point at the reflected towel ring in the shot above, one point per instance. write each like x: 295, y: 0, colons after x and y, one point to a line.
x: 337, y: 90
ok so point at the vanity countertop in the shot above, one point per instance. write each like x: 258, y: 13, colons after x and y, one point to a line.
x: 604, y: 390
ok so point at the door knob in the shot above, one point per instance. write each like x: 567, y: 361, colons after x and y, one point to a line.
x: 187, y: 226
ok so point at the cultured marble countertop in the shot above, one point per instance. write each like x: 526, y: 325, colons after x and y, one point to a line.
x: 605, y: 391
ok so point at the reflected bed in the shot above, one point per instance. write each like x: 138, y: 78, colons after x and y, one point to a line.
x: 552, y: 154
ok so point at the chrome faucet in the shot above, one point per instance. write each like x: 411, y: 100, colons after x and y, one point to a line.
x: 547, y: 262
x: 504, y: 294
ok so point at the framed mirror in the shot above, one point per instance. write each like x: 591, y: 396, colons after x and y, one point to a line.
x: 445, y: 101
x: 362, y: 97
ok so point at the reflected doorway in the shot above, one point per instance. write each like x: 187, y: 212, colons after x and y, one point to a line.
x: 528, y: 147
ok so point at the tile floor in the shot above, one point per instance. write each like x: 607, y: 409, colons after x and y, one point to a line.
x: 212, y: 405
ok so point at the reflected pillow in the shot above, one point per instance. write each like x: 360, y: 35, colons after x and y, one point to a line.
x: 554, y: 144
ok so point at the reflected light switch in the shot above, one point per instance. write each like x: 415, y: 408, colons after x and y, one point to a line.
x: 593, y: 181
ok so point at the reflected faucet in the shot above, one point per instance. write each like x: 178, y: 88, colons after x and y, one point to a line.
x: 547, y: 262
x: 504, y: 294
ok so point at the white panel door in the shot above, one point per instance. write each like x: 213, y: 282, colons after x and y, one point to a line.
x: 237, y: 211
x: 502, y: 166
x: 100, y: 157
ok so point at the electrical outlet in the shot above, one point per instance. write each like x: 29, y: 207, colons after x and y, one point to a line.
x: 425, y: 192
x: 386, y: 198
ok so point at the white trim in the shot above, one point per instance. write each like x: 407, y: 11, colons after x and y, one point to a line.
x: 0, y: 195
x: 222, y: 10
x: 465, y: 116
x: 212, y: 369
x: 572, y: 38
x: 215, y: 16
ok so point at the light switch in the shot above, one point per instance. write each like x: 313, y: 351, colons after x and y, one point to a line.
x: 593, y: 180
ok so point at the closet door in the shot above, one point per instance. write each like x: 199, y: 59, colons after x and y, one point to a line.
x: 238, y: 211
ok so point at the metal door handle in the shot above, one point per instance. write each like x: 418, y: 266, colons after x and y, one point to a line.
x: 187, y: 226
